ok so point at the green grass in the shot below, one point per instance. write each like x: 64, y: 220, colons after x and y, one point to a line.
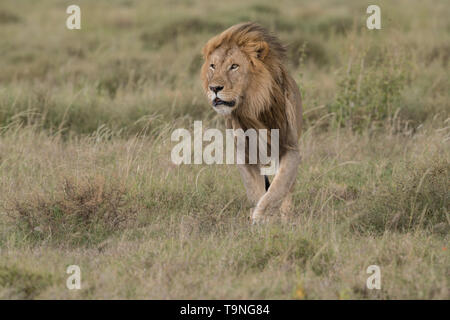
x: 86, y: 176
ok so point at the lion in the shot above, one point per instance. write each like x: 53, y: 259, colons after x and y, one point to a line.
x: 246, y: 81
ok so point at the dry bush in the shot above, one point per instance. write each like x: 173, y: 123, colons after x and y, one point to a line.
x: 417, y: 199
x: 81, y: 212
x: 106, y: 100
x: 23, y: 284
x: 8, y: 17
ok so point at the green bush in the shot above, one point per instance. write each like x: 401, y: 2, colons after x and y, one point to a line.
x: 369, y: 94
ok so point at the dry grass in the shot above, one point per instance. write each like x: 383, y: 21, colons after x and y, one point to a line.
x: 86, y: 177
x: 80, y: 211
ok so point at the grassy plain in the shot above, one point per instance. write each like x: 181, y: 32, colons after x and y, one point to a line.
x: 86, y: 176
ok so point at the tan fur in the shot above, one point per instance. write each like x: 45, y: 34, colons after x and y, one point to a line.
x: 266, y: 97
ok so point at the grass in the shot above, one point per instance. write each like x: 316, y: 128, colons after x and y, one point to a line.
x: 86, y: 176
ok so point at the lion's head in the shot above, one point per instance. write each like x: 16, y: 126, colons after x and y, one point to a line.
x: 242, y: 70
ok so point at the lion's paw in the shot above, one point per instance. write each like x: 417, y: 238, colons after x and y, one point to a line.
x: 257, y: 216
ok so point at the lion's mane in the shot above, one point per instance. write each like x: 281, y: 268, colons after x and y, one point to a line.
x: 265, y: 104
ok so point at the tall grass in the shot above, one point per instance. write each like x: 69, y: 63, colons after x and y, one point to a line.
x: 86, y: 176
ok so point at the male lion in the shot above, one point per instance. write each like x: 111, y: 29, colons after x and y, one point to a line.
x: 245, y: 80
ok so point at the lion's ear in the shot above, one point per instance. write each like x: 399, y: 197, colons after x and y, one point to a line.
x: 210, y: 46
x: 262, y: 49
x: 205, y: 52
x: 207, y: 49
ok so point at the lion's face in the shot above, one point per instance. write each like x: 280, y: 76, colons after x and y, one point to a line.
x: 225, y: 76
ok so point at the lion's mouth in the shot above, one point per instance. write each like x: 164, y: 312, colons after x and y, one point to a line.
x: 217, y: 102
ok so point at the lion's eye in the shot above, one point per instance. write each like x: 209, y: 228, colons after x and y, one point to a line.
x: 212, y: 66
x: 234, y: 66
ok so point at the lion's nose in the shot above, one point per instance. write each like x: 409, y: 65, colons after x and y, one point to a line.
x: 216, y: 88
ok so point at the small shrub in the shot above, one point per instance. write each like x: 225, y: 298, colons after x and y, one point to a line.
x: 368, y: 94
x: 24, y: 284
x: 323, y: 262
x: 168, y: 32
x: 80, y: 213
x: 309, y: 50
x: 441, y: 52
x: 131, y: 73
x: 418, y: 199
x: 277, y: 246
x: 326, y: 26
x: 335, y: 25
x: 8, y: 17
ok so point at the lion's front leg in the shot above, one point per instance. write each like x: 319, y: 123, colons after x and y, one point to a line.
x: 253, y: 181
x: 280, y: 187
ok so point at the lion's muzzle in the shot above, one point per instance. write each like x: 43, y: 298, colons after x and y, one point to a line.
x: 217, y: 102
